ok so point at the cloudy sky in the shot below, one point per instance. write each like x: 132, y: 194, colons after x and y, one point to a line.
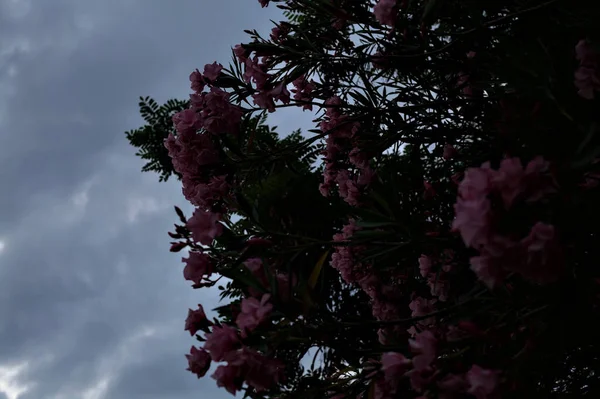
x: 92, y: 304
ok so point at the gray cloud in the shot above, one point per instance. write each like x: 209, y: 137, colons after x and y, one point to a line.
x: 92, y: 304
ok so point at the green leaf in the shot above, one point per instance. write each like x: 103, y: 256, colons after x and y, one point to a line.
x: 314, y: 275
x: 360, y: 99
x: 367, y: 224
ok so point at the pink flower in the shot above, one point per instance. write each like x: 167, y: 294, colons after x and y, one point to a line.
x: 424, y: 265
x: 384, y: 310
x: 449, y: 151
x: 253, y: 313
x: 212, y: 71
x: 482, y: 382
x: 591, y: 180
x: 419, y: 379
x: 473, y: 218
x: 218, y: 186
x: 366, y: 176
x: 587, y: 79
x: 260, y: 372
x: 370, y: 284
x: 280, y: 93
x: 198, y: 361
x: 348, y: 189
x: 219, y: 115
x: 584, y: 52
x: 422, y: 307
x: 205, y: 226
x: 358, y: 158
x: 451, y: 385
x: 537, y: 181
x: 509, y: 180
x: 196, y: 320
x: 383, y: 336
x: 241, y: 53
x: 205, y: 195
x: 222, y: 340
x: 424, y: 345
x: 255, y: 265
x: 476, y: 183
x: 276, y: 33
x: 587, y: 82
x: 190, y: 152
x: 255, y: 72
x: 385, y: 12
x: 302, y: 90
x: 264, y: 3
x: 229, y: 377
x: 197, y: 81
x: 351, y: 193
x: 394, y: 365
x: 487, y: 270
x: 186, y: 121
x: 438, y: 286
x: 324, y: 189
x: 543, y: 254
x: 264, y: 100
x: 198, y: 266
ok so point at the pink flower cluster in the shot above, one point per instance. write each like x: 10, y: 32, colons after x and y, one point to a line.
x: 255, y: 71
x: 587, y: 75
x: 421, y: 370
x: 205, y: 227
x: 197, y: 320
x: 345, y: 258
x: 422, y: 373
x: 280, y: 32
x: 537, y: 257
x: 339, y: 144
x: 386, y: 12
x: 215, y: 113
x: 258, y: 371
x: 437, y: 280
x: 302, y: 91
x: 194, y: 154
x: 384, y: 296
x: 254, y: 313
x: 198, y: 268
x: 198, y: 361
x: 223, y: 344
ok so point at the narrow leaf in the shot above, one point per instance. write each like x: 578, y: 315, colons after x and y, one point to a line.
x: 314, y: 275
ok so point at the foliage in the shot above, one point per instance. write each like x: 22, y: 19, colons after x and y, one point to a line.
x: 451, y: 251
x: 149, y: 138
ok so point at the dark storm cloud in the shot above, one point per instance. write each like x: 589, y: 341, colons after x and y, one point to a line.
x: 92, y: 303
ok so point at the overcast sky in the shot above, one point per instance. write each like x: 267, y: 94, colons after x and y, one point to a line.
x: 92, y: 304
